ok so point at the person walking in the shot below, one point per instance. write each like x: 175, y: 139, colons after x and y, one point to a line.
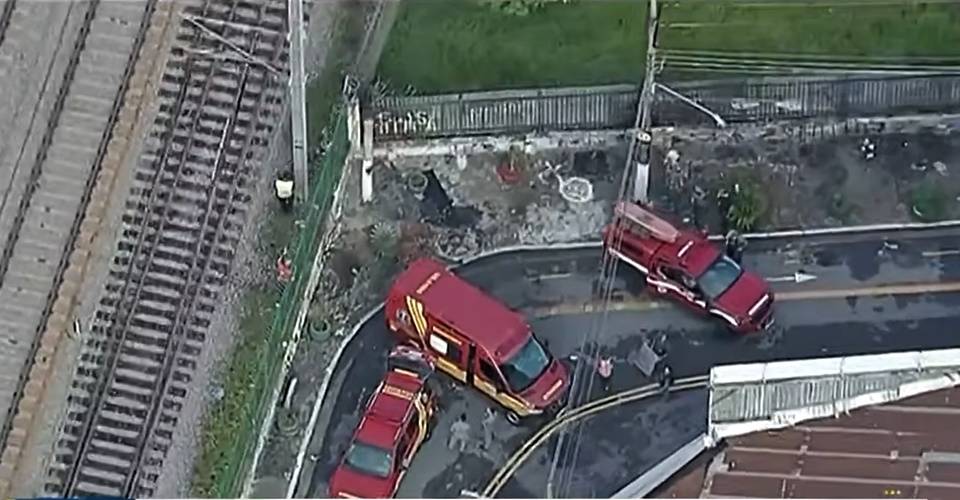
x: 666, y: 378
x: 459, y: 434
x: 489, y: 418
x: 605, y: 370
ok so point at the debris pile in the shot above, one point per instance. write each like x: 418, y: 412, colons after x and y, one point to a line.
x: 546, y: 224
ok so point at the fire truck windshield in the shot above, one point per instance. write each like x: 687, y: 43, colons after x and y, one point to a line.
x: 369, y: 459
x: 718, y: 277
x: 526, y: 365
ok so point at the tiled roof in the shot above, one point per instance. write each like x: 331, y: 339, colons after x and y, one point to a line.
x: 883, y: 426
x: 906, y: 449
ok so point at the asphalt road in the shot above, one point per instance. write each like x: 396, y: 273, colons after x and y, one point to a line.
x: 531, y: 281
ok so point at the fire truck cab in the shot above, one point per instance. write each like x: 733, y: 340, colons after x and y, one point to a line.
x: 395, y: 423
x: 476, y: 340
x: 686, y: 266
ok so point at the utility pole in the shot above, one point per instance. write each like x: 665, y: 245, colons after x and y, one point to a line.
x: 298, y: 111
x: 641, y: 180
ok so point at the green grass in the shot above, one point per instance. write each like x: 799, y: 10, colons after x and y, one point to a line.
x: 908, y: 29
x: 224, y: 425
x: 323, y: 92
x: 448, y: 45
x: 459, y: 45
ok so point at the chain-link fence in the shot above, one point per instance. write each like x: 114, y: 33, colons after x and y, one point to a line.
x: 324, y: 178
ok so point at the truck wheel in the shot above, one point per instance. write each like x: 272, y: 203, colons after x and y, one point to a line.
x: 514, y: 419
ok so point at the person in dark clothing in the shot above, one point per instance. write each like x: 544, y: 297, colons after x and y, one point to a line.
x: 735, y: 245
x: 605, y: 370
x: 666, y: 378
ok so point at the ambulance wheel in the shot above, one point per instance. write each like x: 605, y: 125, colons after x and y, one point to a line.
x: 514, y: 419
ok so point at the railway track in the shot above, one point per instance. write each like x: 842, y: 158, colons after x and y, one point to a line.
x: 6, y: 11
x: 182, y: 224
x: 52, y: 159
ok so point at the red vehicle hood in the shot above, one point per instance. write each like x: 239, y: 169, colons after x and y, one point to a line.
x: 742, y: 295
x: 356, y: 484
x: 553, y: 384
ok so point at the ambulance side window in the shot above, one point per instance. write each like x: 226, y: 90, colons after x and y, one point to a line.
x: 445, y: 348
x: 491, y: 374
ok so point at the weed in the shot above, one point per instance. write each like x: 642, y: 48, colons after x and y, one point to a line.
x: 929, y: 201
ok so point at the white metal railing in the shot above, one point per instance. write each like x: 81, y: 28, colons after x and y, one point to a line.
x: 760, y: 394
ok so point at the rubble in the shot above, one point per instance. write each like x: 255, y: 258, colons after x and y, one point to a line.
x: 813, y: 174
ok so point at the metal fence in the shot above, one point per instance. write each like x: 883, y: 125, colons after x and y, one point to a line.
x: 324, y: 182
x: 614, y: 106
x: 785, y: 99
x: 504, y: 112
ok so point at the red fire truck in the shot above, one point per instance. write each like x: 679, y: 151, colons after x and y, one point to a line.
x: 476, y: 340
x: 686, y: 266
x: 396, y: 422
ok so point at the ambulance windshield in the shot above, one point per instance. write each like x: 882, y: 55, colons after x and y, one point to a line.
x: 526, y: 365
x: 369, y: 459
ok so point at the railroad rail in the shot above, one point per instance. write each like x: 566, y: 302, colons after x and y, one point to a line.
x: 519, y: 457
x: 6, y: 12
x: 51, y: 173
x: 219, y: 97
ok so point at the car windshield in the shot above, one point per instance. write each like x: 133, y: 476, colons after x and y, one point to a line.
x: 718, y: 277
x: 369, y: 459
x: 526, y: 365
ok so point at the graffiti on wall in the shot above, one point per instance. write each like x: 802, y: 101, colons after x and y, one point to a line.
x: 407, y: 124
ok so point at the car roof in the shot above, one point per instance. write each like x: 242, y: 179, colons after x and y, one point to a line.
x: 492, y: 325
x: 389, y: 410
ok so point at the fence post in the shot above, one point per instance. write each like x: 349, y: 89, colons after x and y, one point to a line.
x: 354, y: 127
x: 366, y: 173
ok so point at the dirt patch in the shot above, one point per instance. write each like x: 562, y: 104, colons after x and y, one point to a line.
x: 868, y: 175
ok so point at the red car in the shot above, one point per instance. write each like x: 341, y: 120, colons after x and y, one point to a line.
x: 686, y: 266
x: 396, y: 422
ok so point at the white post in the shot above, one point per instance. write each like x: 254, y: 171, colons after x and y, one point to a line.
x: 298, y: 114
x: 354, y: 128
x: 366, y: 171
x: 641, y: 180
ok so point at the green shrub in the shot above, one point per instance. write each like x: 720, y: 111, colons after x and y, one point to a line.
x: 745, y: 205
x: 516, y: 7
x: 929, y: 201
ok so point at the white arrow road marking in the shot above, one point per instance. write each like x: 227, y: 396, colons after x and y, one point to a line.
x: 797, y: 277
x: 940, y: 253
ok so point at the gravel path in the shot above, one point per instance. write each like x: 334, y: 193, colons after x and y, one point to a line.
x: 248, y: 271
